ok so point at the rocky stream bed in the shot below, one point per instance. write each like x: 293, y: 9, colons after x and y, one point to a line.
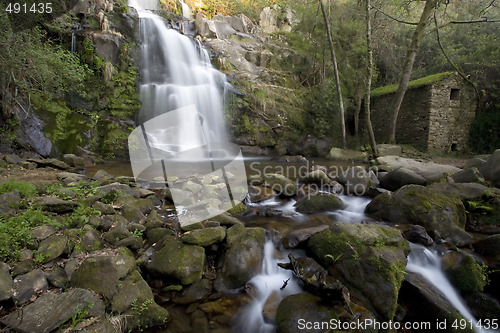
x: 100, y: 254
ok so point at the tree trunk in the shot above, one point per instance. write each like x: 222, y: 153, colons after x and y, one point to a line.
x: 408, y: 66
x: 369, y: 64
x: 336, y: 73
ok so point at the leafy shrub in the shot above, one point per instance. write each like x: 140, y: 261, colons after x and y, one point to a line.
x: 485, y: 132
x: 26, y: 190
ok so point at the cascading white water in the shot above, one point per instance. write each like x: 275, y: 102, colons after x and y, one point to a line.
x: 175, y: 73
x: 270, y: 281
x: 427, y: 263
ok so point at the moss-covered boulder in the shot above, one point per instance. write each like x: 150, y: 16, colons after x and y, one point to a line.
x: 52, y: 247
x: 135, y: 299
x: 6, y: 283
x: 243, y: 257
x: 56, y: 205
x: 319, y: 203
x: 295, y: 311
x: 178, y: 260
x: 464, y: 272
x: 204, y: 237
x: 282, y: 185
x: 371, y: 258
x: 102, y: 273
x: 415, y: 204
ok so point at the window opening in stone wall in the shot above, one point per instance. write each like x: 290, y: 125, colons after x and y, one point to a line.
x: 455, y: 94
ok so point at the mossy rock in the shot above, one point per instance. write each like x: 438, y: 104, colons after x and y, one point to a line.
x: 204, y: 237
x: 238, y: 210
x: 464, y: 272
x: 135, y: 299
x: 243, y: 257
x: 415, y: 204
x: 301, y: 308
x: 177, y: 260
x: 103, y: 273
x: 281, y: 184
x: 371, y: 258
x: 319, y: 203
x: 52, y: 247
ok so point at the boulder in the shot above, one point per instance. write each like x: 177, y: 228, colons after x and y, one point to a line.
x: 243, y: 258
x: 6, y: 283
x: 429, y: 170
x: 9, y: 202
x: 489, y: 246
x: 372, y: 258
x: 319, y: 203
x: 338, y: 154
x: 260, y: 193
x: 417, y: 234
x: 52, y: 247
x: 102, y: 176
x: 491, y: 169
x: 425, y: 303
x: 470, y: 175
x: 415, y: 204
x: 204, y: 237
x: 50, y: 163
x: 135, y: 300
x: 175, y: 259
x: 12, y: 158
x: 356, y: 180
x: 102, y: 273
x: 463, y: 272
x: 58, y: 278
x: 400, y: 177
x: 194, y: 292
x: 73, y: 160
x: 389, y: 150
x: 56, y: 205
x: 298, y: 236
x: 296, y: 310
x: 50, y: 311
x: 317, y: 177
x: 29, y: 284
x: 117, y: 188
x: 281, y: 184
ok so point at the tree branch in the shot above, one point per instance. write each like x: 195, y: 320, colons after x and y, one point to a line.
x: 393, y: 18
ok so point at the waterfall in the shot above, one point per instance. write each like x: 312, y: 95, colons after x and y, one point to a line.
x: 427, y: 263
x: 176, y: 72
x: 267, y: 284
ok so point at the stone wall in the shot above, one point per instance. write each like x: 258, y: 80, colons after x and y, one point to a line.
x: 434, y: 117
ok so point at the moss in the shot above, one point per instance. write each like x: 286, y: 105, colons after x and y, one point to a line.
x: 467, y: 276
x: 380, y: 91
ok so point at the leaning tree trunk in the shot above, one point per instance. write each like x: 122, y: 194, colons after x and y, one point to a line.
x: 336, y: 73
x: 369, y: 64
x: 408, y: 66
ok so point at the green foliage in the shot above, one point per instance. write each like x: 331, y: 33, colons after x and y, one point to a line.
x: 140, y: 308
x: 26, y: 190
x: 485, y: 132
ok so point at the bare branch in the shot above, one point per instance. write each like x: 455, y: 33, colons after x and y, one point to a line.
x: 392, y: 17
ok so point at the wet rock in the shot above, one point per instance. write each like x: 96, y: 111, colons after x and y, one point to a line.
x: 243, y: 257
x: 425, y: 303
x: 58, y: 277
x: 292, y: 311
x: 194, y: 293
x: 135, y: 299
x: 29, y: 284
x: 260, y: 193
x: 177, y: 260
x: 356, y: 180
x: 9, y: 202
x: 226, y: 220
x: 482, y: 306
x: 491, y: 169
x: 471, y: 175
x: 271, y: 307
x: 417, y: 234
x: 464, y: 272
x: 204, y: 237
x: 50, y: 311
x: 6, y: 283
x: 56, y: 205
x: 281, y: 184
x: 294, y: 238
x: 423, y: 206
x: 371, y: 258
x: 50, y: 163
x: 319, y: 203
x: 73, y: 160
x: 52, y: 247
x: 103, y: 272
x: 400, y: 177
